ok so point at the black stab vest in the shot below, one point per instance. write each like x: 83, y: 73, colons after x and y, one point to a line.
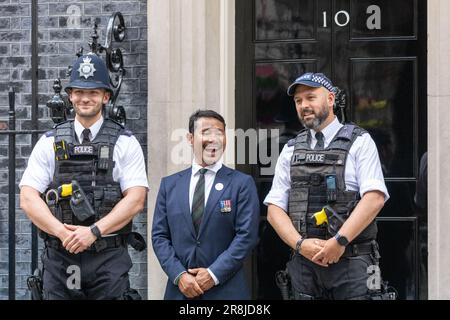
x: 308, y: 193
x: 82, y: 165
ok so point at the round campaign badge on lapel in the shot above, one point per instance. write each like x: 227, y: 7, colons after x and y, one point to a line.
x: 219, y: 186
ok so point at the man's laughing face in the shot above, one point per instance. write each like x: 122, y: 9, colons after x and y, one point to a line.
x: 208, y: 141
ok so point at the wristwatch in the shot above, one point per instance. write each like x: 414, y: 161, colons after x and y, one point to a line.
x: 342, y: 240
x: 95, y: 231
x: 298, y: 245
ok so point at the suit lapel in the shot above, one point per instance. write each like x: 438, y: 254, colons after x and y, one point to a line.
x: 223, y: 177
x: 182, y: 189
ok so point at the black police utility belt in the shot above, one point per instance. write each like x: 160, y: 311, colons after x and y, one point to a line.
x: 318, y: 180
x: 87, y: 169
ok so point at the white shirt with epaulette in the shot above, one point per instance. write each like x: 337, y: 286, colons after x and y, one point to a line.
x: 129, y: 169
x: 363, y: 171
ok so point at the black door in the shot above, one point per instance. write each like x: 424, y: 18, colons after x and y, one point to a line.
x: 375, y: 51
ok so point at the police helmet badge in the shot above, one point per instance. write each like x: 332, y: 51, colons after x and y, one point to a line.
x: 86, y: 68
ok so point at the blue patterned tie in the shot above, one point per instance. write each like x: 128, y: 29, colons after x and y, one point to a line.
x: 198, y: 202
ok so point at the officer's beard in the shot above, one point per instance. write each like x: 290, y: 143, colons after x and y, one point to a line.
x: 319, y: 118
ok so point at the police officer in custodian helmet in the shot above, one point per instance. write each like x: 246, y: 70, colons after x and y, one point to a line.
x: 84, y: 183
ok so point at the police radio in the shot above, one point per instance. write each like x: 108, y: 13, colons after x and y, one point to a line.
x: 103, y: 158
x: 79, y: 203
x: 331, y: 187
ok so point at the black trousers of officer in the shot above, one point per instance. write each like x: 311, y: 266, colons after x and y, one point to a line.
x: 103, y: 275
x: 346, y: 279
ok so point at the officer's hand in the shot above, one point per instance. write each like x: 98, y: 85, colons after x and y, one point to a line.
x: 331, y: 252
x: 64, y: 234
x: 203, y: 278
x: 81, y: 239
x: 188, y: 286
x: 310, y: 247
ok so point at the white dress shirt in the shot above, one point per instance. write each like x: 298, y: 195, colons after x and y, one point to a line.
x: 362, y: 169
x: 129, y: 169
x: 210, y: 175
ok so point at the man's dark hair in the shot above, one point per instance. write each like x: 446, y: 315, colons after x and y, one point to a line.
x: 203, y: 114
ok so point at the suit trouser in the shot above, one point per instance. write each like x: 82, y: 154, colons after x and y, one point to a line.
x: 88, y: 275
x: 347, y: 279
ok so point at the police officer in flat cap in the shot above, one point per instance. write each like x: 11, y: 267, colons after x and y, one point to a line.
x: 84, y: 183
x: 327, y: 190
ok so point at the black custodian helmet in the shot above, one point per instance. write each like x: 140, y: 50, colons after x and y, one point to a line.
x: 89, y: 72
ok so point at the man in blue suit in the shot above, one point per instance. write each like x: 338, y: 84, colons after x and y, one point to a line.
x: 206, y: 219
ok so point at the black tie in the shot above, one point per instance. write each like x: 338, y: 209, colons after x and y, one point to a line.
x: 85, y: 134
x: 198, y: 202
x: 319, y: 145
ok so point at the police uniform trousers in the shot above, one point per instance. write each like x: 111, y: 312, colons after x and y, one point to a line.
x: 346, y: 279
x: 104, y: 274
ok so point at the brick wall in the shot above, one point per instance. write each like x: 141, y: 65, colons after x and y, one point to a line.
x: 63, y: 26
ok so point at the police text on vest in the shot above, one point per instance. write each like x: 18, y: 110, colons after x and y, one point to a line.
x: 83, y: 150
x: 315, y: 158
